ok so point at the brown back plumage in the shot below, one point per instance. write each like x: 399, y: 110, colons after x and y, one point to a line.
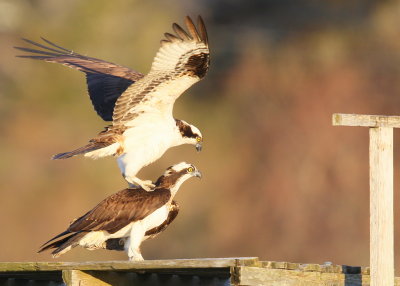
x: 120, y: 209
x: 111, y: 214
x: 118, y: 243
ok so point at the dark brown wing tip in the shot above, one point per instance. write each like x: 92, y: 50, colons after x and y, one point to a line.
x: 170, y: 37
x: 57, y: 46
x: 192, y: 29
x: 54, y: 49
x: 181, y: 32
x: 162, y: 42
x: 202, y: 29
x: 198, y: 34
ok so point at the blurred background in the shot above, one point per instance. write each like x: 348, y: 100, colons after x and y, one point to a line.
x: 280, y: 182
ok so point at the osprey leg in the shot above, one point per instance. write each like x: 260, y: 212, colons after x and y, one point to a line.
x: 135, y: 181
x: 132, y: 245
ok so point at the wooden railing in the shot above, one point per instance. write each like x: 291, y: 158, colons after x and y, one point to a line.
x: 219, y: 271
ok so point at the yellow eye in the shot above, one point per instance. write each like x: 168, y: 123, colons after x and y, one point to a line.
x: 190, y: 169
x: 198, y: 139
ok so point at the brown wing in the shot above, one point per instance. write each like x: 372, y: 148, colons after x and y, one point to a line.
x: 173, y: 213
x: 106, y: 81
x: 184, y: 53
x: 181, y: 54
x: 120, y: 209
x: 118, y: 243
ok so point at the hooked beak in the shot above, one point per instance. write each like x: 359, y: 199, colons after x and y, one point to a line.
x: 199, y: 147
x: 197, y: 174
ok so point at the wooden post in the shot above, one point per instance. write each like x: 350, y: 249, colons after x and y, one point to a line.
x: 381, y: 205
x: 381, y: 191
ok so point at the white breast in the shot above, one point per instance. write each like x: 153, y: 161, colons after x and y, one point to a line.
x: 156, y: 218
x: 145, y: 143
x: 154, y: 131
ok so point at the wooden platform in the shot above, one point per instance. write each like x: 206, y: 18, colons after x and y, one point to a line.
x: 216, y: 272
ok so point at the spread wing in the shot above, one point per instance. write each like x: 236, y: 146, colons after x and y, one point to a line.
x: 181, y: 61
x: 120, y: 209
x: 182, y: 52
x: 106, y: 81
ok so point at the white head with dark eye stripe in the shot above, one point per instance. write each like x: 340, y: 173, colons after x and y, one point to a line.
x: 189, y: 134
x: 175, y: 175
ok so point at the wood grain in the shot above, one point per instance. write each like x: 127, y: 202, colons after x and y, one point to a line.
x: 381, y: 206
x: 128, y: 265
x: 339, y: 119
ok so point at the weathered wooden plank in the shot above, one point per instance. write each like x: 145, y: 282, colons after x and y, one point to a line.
x: 258, y: 276
x: 129, y: 265
x: 179, y: 277
x: 339, y: 119
x: 309, y: 267
x: 381, y: 206
x: 81, y: 278
x: 218, y: 272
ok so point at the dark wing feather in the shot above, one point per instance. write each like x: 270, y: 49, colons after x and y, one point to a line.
x: 192, y: 29
x: 173, y: 213
x: 178, y: 51
x: 54, y: 238
x: 120, y: 209
x: 118, y: 243
x: 64, y: 242
x: 104, y: 91
x: 181, y: 32
x: 202, y: 30
x: 106, y: 81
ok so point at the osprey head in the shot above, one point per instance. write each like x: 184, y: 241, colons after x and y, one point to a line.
x: 175, y: 175
x: 189, y: 134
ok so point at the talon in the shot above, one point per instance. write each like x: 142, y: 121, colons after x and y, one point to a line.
x: 147, y: 185
x: 132, y: 185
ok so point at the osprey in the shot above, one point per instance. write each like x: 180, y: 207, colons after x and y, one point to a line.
x: 129, y: 216
x: 140, y: 106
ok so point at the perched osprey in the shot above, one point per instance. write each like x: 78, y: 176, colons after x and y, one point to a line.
x: 129, y: 216
x: 140, y: 106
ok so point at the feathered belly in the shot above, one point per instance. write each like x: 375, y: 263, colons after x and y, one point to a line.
x: 156, y: 218
x: 143, y: 147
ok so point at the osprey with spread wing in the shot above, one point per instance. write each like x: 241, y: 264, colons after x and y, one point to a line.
x: 140, y: 106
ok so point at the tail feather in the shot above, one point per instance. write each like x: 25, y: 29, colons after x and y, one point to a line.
x: 68, y: 243
x: 64, y: 244
x: 92, y: 146
x: 54, y: 238
x: 55, y: 244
